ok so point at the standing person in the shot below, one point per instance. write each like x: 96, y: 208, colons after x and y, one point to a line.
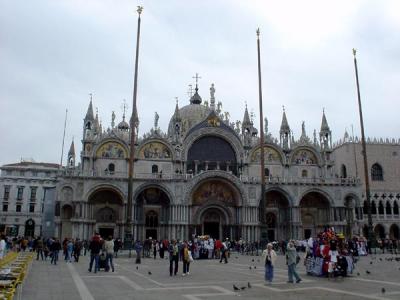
x: 117, y: 245
x: 69, y: 249
x: 94, y: 247
x: 224, y: 250
x: 138, y: 248
x: 77, y: 249
x: 186, y: 259
x: 173, y: 257
x: 55, y: 248
x: 291, y: 257
x: 2, y: 246
x: 109, y: 248
x: 155, y: 248
x: 39, y: 248
x: 269, y: 258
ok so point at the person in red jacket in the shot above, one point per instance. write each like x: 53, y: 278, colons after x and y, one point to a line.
x: 94, y: 247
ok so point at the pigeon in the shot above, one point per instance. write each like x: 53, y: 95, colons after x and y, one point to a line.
x: 252, y: 260
x: 358, y: 274
x: 243, y: 288
x: 137, y: 268
x: 255, y: 267
x: 149, y: 273
x: 368, y: 272
x: 380, y: 258
x: 235, y: 288
x: 249, y: 285
x: 383, y: 290
x: 250, y: 268
x: 370, y: 262
x: 236, y: 257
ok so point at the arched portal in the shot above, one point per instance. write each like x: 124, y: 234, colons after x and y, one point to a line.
x: 107, y: 209
x: 215, y: 209
x: 394, y: 232
x: 29, y: 228
x: 379, y: 231
x: 152, y: 213
x: 277, y: 215
x: 314, y: 213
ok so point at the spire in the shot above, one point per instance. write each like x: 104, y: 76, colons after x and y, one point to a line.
x: 284, y: 125
x: 89, y: 113
x: 324, y: 123
x: 96, y: 121
x: 177, y: 115
x: 246, y: 118
x: 196, y: 99
x: 71, y: 151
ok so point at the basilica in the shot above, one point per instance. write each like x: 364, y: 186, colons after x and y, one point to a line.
x: 202, y: 176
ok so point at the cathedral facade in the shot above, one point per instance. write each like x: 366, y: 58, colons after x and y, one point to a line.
x: 203, y: 176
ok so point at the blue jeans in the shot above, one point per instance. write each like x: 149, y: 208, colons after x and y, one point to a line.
x: 95, y: 258
x: 269, y: 272
x: 54, y: 257
x: 292, y: 272
x: 109, y: 260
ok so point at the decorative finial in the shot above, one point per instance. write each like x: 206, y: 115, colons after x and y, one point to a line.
x: 124, y: 108
x: 156, y: 117
x: 354, y: 52
x: 323, y: 110
x: 283, y: 107
x: 139, y: 9
x: 91, y: 96
x: 258, y: 32
x: 176, y: 99
x: 112, y: 119
x: 197, y: 77
x: 190, y: 91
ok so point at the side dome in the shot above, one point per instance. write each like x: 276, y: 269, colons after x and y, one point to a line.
x: 123, y: 125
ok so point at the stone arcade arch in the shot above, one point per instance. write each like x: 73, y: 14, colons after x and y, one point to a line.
x: 66, y: 226
x: 314, y: 213
x: 215, y: 209
x: 394, y: 232
x: 277, y: 215
x: 152, y: 213
x: 106, y: 208
x: 379, y: 231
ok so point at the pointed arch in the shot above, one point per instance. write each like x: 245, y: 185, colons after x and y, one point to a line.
x: 377, y: 172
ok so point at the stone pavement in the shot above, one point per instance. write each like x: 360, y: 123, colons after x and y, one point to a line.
x: 208, y: 279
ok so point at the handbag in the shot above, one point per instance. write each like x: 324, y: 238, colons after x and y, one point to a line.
x: 190, y: 256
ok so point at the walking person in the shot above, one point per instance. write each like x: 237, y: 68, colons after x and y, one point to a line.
x: 173, y: 251
x: 138, y: 248
x: 2, y: 246
x: 39, y: 248
x: 186, y: 259
x: 109, y: 248
x: 94, y: 247
x: 55, y: 248
x: 77, y: 249
x: 70, y: 248
x: 224, y: 251
x: 269, y: 258
x: 291, y: 261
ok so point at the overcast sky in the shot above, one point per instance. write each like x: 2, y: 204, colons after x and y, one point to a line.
x: 54, y: 53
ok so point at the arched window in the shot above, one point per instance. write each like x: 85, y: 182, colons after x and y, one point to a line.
x: 151, y: 219
x: 266, y: 172
x: 343, y: 171
x: 373, y: 208
x: 388, y: 208
x: 88, y: 125
x: 381, y: 208
x: 395, y: 208
x: 365, y: 207
x: 304, y: 173
x: 111, y: 168
x: 376, y: 172
x: 57, y: 209
x: 154, y: 169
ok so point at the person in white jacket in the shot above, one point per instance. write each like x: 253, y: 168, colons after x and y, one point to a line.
x: 269, y: 258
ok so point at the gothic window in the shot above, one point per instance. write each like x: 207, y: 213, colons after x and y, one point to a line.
x: 376, y: 172
x: 395, y: 208
x: 111, y: 168
x: 388, y: 208
x: 266, y: 172
x: 304, y: 173
x: 380, y: 208
x: 373, y: 208
x: 154, y: 169
x: 88, y: 125
x: 365, y: 207
x: 343, y: 171
x: 151, y: 219
x: 57, y: 209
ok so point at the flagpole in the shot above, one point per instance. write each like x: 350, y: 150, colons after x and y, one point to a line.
x: 262, y: 162
x: 63, y: 140
x: 371, y: 236
x: 128, y: 229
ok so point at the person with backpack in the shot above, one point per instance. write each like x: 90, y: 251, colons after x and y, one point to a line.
x: 224, y: 251
x: 292, y: 261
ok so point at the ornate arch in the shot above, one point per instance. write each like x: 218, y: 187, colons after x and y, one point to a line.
x: 254, y: 151
x: 279, y: 190
x: 316, y: 190
x: 353, y: 195
x: 155, y: 148
x: 63, y: 197
x: 229, y: 137
x: 145, y: 186
x: 111, y: 148
x: 200, y: 212
x: 295, y: 155
x: 215, y: 174
x: 105, y: 186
